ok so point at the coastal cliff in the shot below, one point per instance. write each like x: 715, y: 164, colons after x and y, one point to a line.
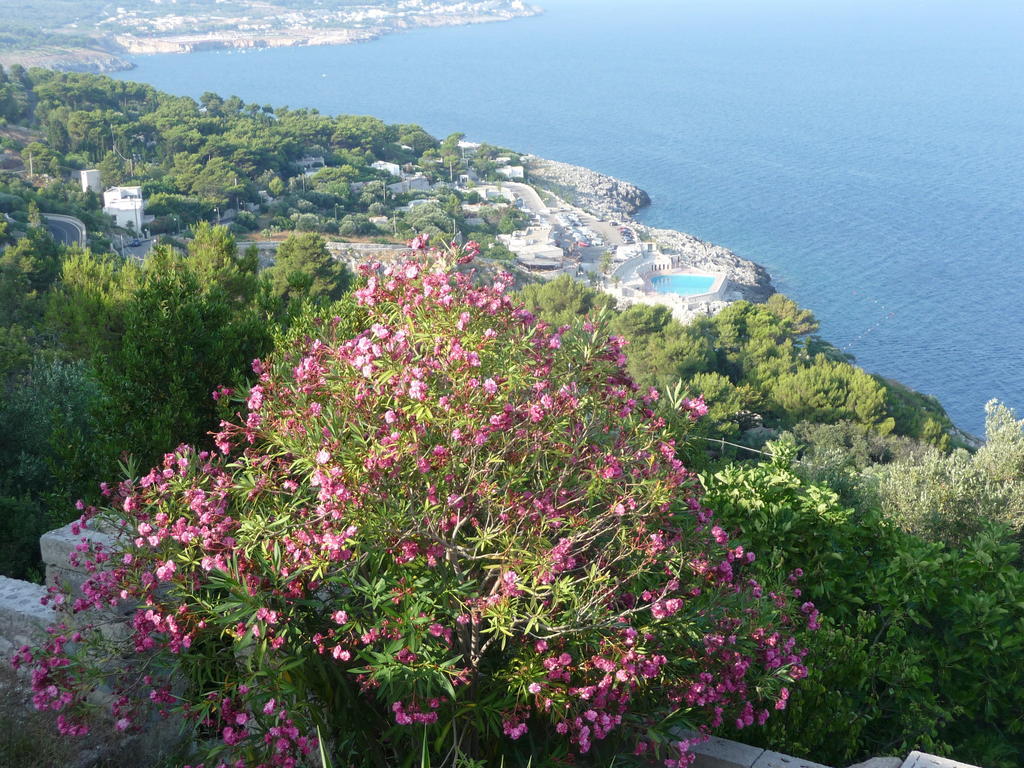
x: 610, y: 198
x: 70, y: 60
x: 242, y: 41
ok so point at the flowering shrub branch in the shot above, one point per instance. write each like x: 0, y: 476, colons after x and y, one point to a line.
x: 460, y: 520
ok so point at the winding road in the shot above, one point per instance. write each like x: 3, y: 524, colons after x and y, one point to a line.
x: 66, y: 229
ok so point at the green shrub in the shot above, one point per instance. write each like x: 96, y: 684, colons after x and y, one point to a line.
x: 920, y: 644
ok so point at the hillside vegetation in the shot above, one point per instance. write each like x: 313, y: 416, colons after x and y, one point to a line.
x: 853, y: 492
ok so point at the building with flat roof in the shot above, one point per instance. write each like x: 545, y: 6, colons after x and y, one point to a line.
x: 126, y: 205
x: 417, y: 183
x: 393, y: 168
x: 512, y: 171
x: 91, y: 181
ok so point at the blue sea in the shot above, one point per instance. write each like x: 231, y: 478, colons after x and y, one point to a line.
x: 869, y: 154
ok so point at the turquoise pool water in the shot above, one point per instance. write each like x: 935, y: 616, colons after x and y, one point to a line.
x: 683, y: 285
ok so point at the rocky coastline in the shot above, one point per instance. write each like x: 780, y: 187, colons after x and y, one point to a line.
x: 596, y: 193
x: 607, y: 197
x: 94, y: 61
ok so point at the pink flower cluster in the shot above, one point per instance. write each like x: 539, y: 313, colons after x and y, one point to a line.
x: 458, y: 498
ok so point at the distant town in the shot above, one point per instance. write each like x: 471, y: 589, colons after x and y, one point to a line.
x: 102, y: 37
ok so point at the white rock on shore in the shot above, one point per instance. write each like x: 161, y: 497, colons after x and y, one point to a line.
x: 594, y: 192
x: 71, y: 60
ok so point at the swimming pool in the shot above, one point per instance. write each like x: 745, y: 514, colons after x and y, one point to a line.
x: 683, y: 285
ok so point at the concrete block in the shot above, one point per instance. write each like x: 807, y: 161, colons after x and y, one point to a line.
x: 923, y: 760
x: 880, y: 762
x: 22, y: 617
x: 778, y: 760
x: 57, y: 546
x: 66, y: 578
x: 722, y: 753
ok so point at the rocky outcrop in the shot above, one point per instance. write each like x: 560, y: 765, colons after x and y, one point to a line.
x: 594, y: 192
x: 242, y: 41
x: 70, y: 60
x: 97, y: 64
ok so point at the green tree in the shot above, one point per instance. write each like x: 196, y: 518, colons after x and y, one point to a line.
x: 563, y: 300
x: 359, y: 132
x: 830, y: 391
x: 952, y: 497
x: 214, y: 258
x: 304, y: 269
x: 919, y: 644
x: 181, y: 340
x: 45, y: 462
x: 86, y: 308
x: 27, y: 269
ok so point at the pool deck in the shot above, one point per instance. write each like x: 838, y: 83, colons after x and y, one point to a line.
x: 631, y: 283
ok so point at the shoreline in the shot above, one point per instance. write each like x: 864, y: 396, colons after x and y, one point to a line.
x: 607, y: 197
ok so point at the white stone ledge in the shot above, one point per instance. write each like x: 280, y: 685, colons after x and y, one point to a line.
x: 22, y: 617
x: 921, y: 760
x: 722, y: 753
x: 57, y: 546
x: 778, y: 760
x: 880, y: 762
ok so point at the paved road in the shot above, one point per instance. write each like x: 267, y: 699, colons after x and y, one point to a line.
x: 139, y: 252
x: 529, y: 196
x: 66, y: 229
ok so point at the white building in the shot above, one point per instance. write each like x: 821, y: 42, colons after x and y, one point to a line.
x: 512, y: 171
x: 418, y: 203
x: 126, y: 205
x: 418, y: 183
x: 535, y: 247
x: 90, y: 180
x: 310, y: 164
x: 495, y: 193
x: 393, y: 168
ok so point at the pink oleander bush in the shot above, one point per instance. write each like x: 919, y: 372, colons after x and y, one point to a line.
x: 460, y: 533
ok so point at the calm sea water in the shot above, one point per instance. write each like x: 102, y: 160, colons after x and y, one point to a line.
x: 869, y: 154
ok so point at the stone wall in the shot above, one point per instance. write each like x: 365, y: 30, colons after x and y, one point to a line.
x: 22, y: 616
